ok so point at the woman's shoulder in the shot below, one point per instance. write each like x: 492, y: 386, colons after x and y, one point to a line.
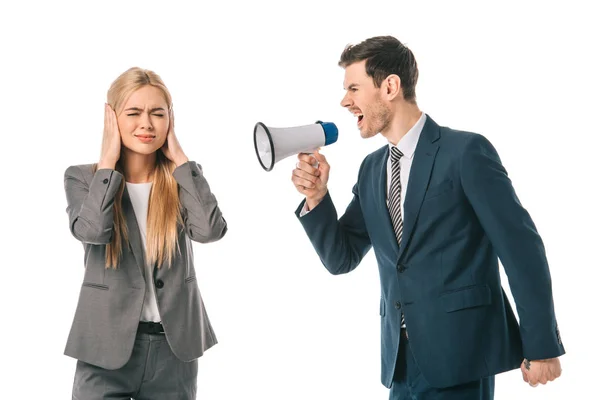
x: 82, y: 171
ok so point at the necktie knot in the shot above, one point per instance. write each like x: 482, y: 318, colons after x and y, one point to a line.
x: 396, y: 154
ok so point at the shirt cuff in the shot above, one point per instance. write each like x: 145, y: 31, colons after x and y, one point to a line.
x: 304, y: 210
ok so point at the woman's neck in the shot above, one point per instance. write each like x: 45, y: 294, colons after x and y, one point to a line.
x: 138, y: 168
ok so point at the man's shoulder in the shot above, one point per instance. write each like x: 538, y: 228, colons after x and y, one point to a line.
x: 456, y: 135
x: 446, y: 134
x: 376, y: 155
x: 371, y: 161
x: 457, y: 140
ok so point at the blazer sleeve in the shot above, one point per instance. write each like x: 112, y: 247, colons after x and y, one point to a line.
x: 90, y: 206
x: 341, y: 244
x: 518, y: 245
x: 202, y: 217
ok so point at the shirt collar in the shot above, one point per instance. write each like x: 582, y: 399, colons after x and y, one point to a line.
x: 408, y: 143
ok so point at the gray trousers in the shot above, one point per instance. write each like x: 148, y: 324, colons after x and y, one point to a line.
x: 153, y: 372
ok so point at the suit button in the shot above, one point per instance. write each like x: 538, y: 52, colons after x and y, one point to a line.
x: 401, y: 268
x: 194, y: 173
x: 159, y: 283
x: 105, y: 181
x: 398, y: 305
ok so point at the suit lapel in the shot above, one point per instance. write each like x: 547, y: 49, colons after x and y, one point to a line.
x: 420, y: 173
x: 133, y: 231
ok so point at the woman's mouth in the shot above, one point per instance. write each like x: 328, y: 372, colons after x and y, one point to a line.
x: 145, y: 138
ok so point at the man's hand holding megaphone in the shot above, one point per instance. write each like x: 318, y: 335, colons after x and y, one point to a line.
x: 309, y: 180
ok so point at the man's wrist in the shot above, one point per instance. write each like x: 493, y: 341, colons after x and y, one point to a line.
x: 311, y: 203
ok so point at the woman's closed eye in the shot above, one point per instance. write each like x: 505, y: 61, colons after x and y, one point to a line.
x: 135, y: 114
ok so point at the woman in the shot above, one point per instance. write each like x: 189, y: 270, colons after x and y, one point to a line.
x: 140, y: 323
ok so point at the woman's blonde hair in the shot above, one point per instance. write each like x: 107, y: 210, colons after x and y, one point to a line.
x: 164, y: 215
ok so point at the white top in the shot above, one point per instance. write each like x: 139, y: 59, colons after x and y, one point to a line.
x: 139, y: 193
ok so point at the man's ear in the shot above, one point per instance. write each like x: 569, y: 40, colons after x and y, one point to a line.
x: 393, y: 86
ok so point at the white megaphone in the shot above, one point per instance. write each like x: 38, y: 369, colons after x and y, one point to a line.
x: 274, y: 144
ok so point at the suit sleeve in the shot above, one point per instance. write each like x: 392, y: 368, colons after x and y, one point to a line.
x: 518, y: 245
x: 202, y: 217
x: 341, y: 245
x: 90, y: 207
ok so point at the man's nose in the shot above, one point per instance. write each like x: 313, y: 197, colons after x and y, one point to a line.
x: 345, y: 101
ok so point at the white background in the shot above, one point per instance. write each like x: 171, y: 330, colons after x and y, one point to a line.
x: 525, y: 75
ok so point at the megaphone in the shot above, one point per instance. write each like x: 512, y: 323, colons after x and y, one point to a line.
x: 274, y: 144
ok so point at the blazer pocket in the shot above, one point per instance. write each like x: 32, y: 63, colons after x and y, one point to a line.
x: 468, y: 297
x: 95, y: 285
x: 438, y: 189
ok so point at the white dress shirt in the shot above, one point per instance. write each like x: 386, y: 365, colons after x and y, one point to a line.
x: 407, y: 146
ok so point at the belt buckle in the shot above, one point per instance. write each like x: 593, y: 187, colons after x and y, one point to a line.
x: 153, y: 327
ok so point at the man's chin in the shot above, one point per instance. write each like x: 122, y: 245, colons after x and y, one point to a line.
x: 366, y: 134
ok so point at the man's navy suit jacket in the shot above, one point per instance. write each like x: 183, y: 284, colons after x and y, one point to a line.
x: 461, y: 214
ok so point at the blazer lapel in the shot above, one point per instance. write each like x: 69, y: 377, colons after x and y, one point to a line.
x: 420, y: 173
x: 133, y: 231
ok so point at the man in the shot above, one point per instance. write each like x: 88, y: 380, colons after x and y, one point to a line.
x: 438, y: 208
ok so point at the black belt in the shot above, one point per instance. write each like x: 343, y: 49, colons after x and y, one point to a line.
x: 152, y: 328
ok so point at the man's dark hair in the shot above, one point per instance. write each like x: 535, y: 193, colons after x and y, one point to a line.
x: 385, y: 55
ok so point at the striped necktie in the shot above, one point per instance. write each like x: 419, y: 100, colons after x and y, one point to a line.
x: 395, y: 198
x: 395, y: 202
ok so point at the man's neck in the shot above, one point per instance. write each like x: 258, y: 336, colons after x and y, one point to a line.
x: 405, y: 117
